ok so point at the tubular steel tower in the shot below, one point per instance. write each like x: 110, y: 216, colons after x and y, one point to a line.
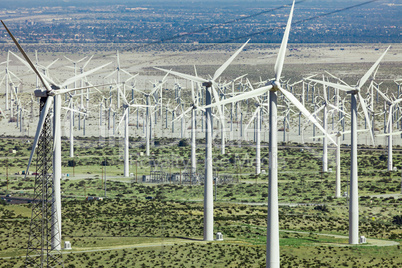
x: 42, y: 249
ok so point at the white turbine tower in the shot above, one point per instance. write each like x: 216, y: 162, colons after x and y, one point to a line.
x: 208, y: 185
x: 354, y: 200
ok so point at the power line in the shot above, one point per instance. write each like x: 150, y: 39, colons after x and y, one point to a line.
x: 243, y: 37
x: 204, y: 46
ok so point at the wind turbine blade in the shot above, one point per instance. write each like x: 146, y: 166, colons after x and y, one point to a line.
x: 132, y: 77
x: 124, y: 71
x: 329, y: 84
x: 397, y: 101
x: 122, y: 118
x: 80, y: 76
x: 318, y: 110
x: 68, y: 59
x: 185, y: 76
x: 228, y: 62
x: 368, y: 121
x: 304, y: 111
x: 243, y: 96
x: 216, y: 97
x: 383, y: 95
x: 282, y: 51
x: 73, y: 110
x: 85, y: 65
x: 47, y: 67
x: 140, y: 91
x: 13, y: 74
x: 112, y: 73
x: 41, y: 121
x: 67, y: 90
x: 44, y: 83
x: 252, y: 117
x: 336, y: 108
x: 182, y: 114
x: 82, y: 59
x: 389, y: 134
x: 122, y: 95
x: 141, y: 105
x: 371, y: 70
x: 192, y: 92
x: 337, y: 78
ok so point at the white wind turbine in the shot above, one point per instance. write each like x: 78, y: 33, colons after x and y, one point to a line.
x: 391, y: 103
x: 118, y: 76
x: 354, y: 200
x: 147, y: 116
x: 52, y: 92
x: 257, y: 131
x: 193, y: 109
x: 7, y: 72
x: 126, y: 107
x: 75, y: 85
x: 337, y: 135
x: 45, y: 69
x: 324, y: 107
x: 273, y: 259
x: 208, y: 185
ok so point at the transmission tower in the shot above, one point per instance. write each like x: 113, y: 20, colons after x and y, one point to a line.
x: 43, y: 249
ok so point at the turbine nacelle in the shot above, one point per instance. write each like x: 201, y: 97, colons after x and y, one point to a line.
x: 207, y: 84
x: 354, y: 91
x: 276, y: 85
x: 39, y: 93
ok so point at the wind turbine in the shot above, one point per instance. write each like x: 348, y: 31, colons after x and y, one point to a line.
x: 193, y: 110
x: 147, y: 116
x: 126, y: 107
x: 118, y: 76
x: 274, y: 86
x: 324, y: 107
x: 391, y: 103
x: 208, y: 185
x: 75, y: 85
x: 257, y: 131
x: 6, y: 77
x: 52, y: 92
x: 337, y: 135
x: 354, y: 200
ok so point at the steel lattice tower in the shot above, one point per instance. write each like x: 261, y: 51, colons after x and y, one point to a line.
x: 41, y: 252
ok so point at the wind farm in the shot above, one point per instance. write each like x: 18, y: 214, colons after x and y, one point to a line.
x: 228, y: 154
